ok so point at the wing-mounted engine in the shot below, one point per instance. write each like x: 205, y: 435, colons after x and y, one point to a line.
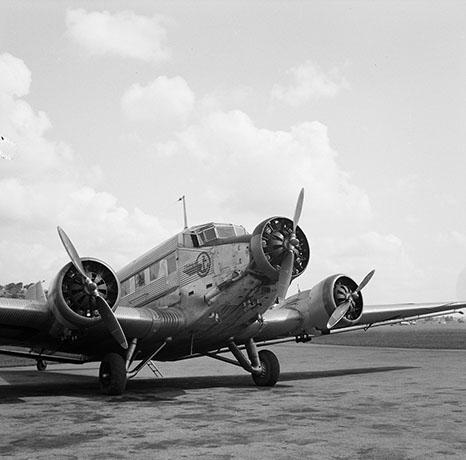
x: 84, y: 292
x: 336, y: 299
x: 279, y: 249
x: 73, y: 301
x: 271, y: 243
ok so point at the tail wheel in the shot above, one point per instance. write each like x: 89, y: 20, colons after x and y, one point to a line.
x: 270, y: 369
x: 112, y: 374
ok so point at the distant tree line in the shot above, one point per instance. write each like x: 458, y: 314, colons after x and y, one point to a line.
x: 14, y: 290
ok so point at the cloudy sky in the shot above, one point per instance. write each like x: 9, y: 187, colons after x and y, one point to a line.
x: 116, y: 109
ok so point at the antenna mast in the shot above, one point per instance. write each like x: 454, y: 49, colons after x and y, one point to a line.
x: 183, y: 199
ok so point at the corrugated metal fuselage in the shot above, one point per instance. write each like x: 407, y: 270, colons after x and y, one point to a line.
x: 212, y: 289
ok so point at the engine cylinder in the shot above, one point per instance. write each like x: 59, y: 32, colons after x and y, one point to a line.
x: 71, y: 300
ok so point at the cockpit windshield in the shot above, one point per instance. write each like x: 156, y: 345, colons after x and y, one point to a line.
x: 204, y: 235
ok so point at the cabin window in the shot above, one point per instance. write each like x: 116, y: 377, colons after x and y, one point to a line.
x: 132, y: 285
x: 140, y: 279
x: 125, y: 288
x: 155, y: 271
x: 171, y: 263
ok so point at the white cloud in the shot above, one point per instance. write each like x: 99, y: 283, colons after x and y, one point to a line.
x: 261, y: 170
x: 34, y: 154
x: 15, y: 77
x: 225, y: 99
x: 165, y: 102
x: 123, y: 34
x: 461, y: 286
x: 309, y: 81
x: 459, y: 238
x: 355, y: 255
x: 46, y: 185
x: 96, y: 223
x: 246, y: 173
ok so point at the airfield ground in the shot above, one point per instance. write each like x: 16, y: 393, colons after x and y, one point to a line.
x: 331, y: 402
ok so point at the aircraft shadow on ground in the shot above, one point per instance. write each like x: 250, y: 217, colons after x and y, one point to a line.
x: 59, y: 384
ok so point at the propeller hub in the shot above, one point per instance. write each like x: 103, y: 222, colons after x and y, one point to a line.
x: 293, y: 241
x: 92, y: 287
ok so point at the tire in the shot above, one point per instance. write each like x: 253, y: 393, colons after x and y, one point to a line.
x: 41, y: 365
x: 112, y: 374
x: 270, y: 369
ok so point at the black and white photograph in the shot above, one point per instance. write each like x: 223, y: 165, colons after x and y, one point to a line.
x: 232, y: 229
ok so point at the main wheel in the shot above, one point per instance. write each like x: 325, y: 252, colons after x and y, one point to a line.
x: 270, y: 369
x: 112, y: 374
x: 41, y: 365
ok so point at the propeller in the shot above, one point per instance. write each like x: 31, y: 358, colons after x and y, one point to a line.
x: 284, y: 278
x: 106, y: 313
x: 286, y: 269
x: 351, y: 297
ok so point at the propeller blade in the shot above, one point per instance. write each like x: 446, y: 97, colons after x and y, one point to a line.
x: 299, y: 208
x: 286, y: 272
x: 70, y: 249
x: 363, y: 283
x: 342, y: 309
x: 110, y: 321
x: 338, y: 314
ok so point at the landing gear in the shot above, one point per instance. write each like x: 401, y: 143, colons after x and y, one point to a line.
x: 270, y: 369
x: 41, y: 365
x: 112, y: 374
x: 263, y: 365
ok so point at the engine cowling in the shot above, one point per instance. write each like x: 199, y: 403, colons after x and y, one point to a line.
x: 270, y: 244
x: 72, y: 304
x: 323, y: 299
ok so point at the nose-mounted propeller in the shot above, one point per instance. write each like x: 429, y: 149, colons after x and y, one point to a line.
x: 348, y: 302
x: 291, y: 245
x: 106, y: 313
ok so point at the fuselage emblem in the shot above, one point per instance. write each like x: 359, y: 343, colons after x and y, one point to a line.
x: 201, y: 265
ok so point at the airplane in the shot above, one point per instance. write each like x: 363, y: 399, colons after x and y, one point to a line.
x: 209, y: 290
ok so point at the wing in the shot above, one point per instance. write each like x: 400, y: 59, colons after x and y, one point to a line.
x: 381, y: 315
x: 36, y: 323
x: 21, y: 319
x: 309, y: 313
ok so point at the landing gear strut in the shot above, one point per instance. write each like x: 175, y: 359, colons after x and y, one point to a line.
x: 112, y: 374
x: 41, y: 365
x: 263, y: 365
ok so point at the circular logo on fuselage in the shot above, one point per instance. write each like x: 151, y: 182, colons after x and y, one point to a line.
x: 203, y: 264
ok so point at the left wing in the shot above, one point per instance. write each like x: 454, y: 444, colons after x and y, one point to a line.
x: 382, y: 315
x: 335, y: 305
x: 397, y: 312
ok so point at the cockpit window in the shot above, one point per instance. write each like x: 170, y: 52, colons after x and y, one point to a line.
x: 239, y: 230
x: 225, y: 231
x: 209, y: 233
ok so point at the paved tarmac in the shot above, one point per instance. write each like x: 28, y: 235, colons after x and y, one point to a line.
x: 330, y: 402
